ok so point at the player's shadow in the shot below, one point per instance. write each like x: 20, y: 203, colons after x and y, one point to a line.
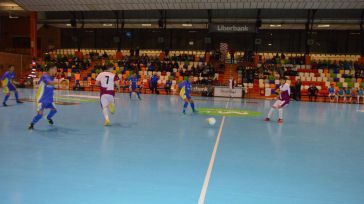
x: 56, y: 132
x: 122, y: 125
x: 6, y: 106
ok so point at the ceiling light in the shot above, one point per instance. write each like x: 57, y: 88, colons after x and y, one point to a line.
x: 146, y: 25
x: 187, y: 25
x: 323, y: 26
x: 275, y: 25
x: 107, y: 24
x: 270, y: 44
x: 68, y: 25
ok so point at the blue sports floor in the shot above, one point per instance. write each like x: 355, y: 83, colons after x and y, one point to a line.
x: 154, y: 154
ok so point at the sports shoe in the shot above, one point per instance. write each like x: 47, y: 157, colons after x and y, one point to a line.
x: 184, y: 112
x: 50, y: 121
x: 31, y: 126
x: 19, y: 102
x: 267, y: 119
x: 280, y: 121
x: 4, y: 104
x: 107, y: 123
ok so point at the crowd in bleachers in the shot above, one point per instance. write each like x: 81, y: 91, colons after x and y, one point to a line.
x: 315, y: 80
x: 83, y: 71
x: 345, y: 78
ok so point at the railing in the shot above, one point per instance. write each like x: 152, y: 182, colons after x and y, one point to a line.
x: 23, y: 51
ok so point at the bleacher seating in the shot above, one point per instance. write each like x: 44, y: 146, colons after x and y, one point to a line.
x: 324, y: 71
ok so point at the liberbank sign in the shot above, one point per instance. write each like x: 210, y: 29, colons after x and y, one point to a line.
x: 232, y: 28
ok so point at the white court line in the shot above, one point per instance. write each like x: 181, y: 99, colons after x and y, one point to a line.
x: 201, y: 200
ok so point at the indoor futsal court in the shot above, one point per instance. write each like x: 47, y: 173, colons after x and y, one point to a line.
x: 149, y: 156
x: 181, y: 102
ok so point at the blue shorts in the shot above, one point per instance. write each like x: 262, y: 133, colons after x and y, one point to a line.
x: 11, y: 87
x: 8, y: 88
x: 134, y: 88
x: 188, y: 96
x: 42, y: 106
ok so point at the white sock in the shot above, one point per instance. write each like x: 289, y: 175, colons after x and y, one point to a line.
x: 106, y: 115
x: 270, y: 112
x: 280, y: 111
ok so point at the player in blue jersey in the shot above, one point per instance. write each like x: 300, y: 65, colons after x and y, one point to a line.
x: 332, y: 94
x: 45, y: 96
x: 347, y: 94
x: 341, y: 94
x: 185, y: 93
x: 8, y: 84
x: 133, y: 86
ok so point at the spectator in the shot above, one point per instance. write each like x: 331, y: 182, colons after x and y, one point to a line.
x: 312, y: 93
x: 232, y: 55
x: 168, y: 86
x: 131, y: 52
x: 125, y: 85
x: 151, y: 67
x: 347, y: 94
x: 332, y: 94
x: 354, y: 94
x: 232, y: 85
x: 154, y: 84
x: 341, y: 94
x: 297, y: 90
x: 360, y: 94
x: 137, y: 50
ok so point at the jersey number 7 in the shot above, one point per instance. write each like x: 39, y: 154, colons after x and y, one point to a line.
x: 107, y: 81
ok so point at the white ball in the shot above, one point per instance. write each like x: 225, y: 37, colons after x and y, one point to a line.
x: 211, y: 121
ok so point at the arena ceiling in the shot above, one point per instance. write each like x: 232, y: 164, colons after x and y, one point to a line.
x: 97, y: 5
x: 339, y: 19
x: 290, y: 14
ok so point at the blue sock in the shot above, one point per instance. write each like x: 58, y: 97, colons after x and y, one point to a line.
x: 130, y: 93
x: 185, y: 106
x: 51, y: 114
x: 6, y: 98
x: 16, y: 96
x: 193, y: 107
x: 37, y: 118
x: 138, y: 94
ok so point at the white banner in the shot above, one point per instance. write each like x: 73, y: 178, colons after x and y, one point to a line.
x: 221, y: 91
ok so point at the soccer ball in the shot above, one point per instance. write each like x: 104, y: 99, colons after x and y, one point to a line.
x: 211, y: 121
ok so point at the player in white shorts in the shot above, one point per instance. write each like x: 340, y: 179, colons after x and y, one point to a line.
x: 107, y: 82
x: 282, y: 100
